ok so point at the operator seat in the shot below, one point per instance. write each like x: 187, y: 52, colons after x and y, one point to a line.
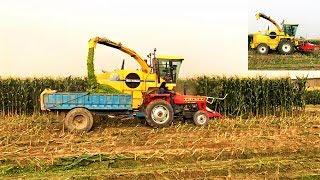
x: 163, y: 89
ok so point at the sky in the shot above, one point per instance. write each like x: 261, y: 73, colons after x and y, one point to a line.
x: 305, y: 13
x: 49, y: 38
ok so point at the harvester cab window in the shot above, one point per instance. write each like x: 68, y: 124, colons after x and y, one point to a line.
x: 169, y: 70
x: 290, y: 29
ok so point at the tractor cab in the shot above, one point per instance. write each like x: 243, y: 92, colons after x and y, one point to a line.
x: 167, y: 67
x: 290, y: 29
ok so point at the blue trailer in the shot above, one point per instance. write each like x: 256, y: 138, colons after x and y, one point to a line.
x: 80, y: 106
x: 158, y: 109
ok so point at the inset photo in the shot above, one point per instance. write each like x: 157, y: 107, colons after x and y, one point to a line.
x: 283, y: 38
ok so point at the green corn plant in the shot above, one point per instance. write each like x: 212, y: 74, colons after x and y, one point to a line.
x: 21, y: 96
x: 313, y: 97
x: 254, y: 96
x: 246, y: 96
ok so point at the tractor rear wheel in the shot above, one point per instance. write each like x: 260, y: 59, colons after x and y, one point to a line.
x: 263, y: 49
x: 285, y: 47
x: 79, y: 119
x: 201, y: 118
x: 159, y: 113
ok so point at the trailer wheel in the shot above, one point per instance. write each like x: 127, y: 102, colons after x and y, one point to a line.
x: 263, y: 48
x: 285, y: 47
x: 79, y: 119
x: 200, y: 118
x: 159, y: 113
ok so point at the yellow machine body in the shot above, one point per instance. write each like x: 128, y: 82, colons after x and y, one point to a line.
x: 119, y: 80
x: 137, y: 82
x: 264, y: 37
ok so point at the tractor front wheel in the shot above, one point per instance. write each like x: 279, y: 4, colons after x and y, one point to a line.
x: 285, y: 47
x: 79, y: 119
x: 263, y: 49
x: 159, y: 113
x: 200, y: 118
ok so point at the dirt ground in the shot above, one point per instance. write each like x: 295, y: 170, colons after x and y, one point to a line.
x: 272, y: 147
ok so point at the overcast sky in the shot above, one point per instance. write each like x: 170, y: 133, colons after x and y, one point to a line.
x: 49, y: 38
x: 305, y: 13
x: 44, y: 37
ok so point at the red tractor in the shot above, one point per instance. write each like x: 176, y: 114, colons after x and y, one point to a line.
x: 161, y: 108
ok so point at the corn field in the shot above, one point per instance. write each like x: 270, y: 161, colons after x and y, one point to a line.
x: 313, y: 97
x: 314, y: 41
x: 21, y: 96
x: 246, y: 96
x: 252, y: 96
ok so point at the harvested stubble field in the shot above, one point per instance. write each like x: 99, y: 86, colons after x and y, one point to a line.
x: 37, y: 146
x: 271, y: 147
x: 275, y: 61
